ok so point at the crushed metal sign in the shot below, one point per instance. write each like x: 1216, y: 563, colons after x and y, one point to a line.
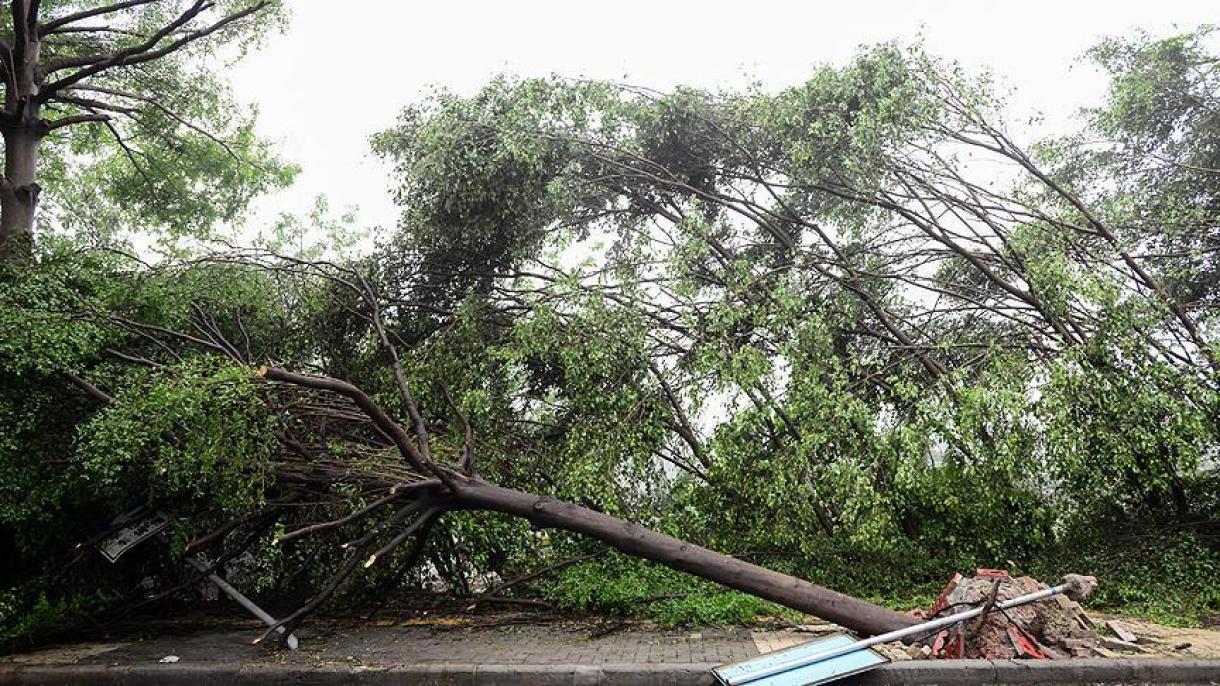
x: 132, y: 534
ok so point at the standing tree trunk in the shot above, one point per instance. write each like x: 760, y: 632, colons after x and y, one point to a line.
x: 18, y: 193
x: 22, y: 129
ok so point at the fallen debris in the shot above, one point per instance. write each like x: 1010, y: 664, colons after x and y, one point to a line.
x: 837, y: 656
x: 1121, y: 631
x: 918, y: 652
x: 1050, y: 629
x: 1120, y: 645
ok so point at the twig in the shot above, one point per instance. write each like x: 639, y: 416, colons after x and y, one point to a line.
x: 327, y: 526
x: 530, y: 576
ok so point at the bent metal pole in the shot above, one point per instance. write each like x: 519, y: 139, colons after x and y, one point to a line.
x: 194, y: 561
x: 933, y: 625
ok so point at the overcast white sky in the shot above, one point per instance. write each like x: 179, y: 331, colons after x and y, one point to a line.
x: 343, y: 70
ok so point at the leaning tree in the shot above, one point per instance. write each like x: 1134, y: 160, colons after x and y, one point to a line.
x: 135, y: 75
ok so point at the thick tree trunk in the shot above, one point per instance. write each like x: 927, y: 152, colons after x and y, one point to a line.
x: 633, y: 539
x: 18, y: 193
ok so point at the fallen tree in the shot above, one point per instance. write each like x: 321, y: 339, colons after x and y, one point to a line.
x: 441, y: 488
x: 894, y: 337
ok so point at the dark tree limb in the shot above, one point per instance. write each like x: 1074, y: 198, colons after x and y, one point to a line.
x: 537, y: 573
x: 417, y: 550
x: 328, y: 526
x: 355, y: 557
x: 402, y: 440
x: 54, y: 24
x: 90, y: 390
x: 682, y: 424
x: 467, y: 463
x: 398, y: 539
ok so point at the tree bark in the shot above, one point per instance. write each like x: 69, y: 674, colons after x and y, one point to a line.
x: 637, y: 541
x: 18, y: 193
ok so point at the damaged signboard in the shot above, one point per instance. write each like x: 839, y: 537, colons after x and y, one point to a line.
x: 130, y: 530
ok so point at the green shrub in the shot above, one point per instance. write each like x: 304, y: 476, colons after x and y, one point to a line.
x: 627, y: 586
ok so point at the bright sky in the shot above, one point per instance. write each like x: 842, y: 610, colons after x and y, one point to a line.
x: 344, y: 70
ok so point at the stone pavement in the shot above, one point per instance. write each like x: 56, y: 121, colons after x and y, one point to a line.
x: 388, y: 643
x: 489, y: 650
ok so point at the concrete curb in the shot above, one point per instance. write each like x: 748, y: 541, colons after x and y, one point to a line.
x: 944, y: 673
x: 1074, y: 671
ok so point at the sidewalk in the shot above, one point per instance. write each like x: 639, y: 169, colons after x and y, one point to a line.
x: 537, y: 654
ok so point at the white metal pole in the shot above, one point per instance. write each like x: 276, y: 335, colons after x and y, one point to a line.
x: 242, y: 600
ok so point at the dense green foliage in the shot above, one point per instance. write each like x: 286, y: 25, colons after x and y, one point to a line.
x: 801, y: 327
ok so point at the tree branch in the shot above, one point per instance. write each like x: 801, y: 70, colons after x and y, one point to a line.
x: 92, y: 29
x: 395, y: 432
x: 54, y: 24
x: 21, y: 25
x: 76, y: 119
x: 327, y: 526
x: 147, y: 51
x: 90, y: 390
x: 152, y: 102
